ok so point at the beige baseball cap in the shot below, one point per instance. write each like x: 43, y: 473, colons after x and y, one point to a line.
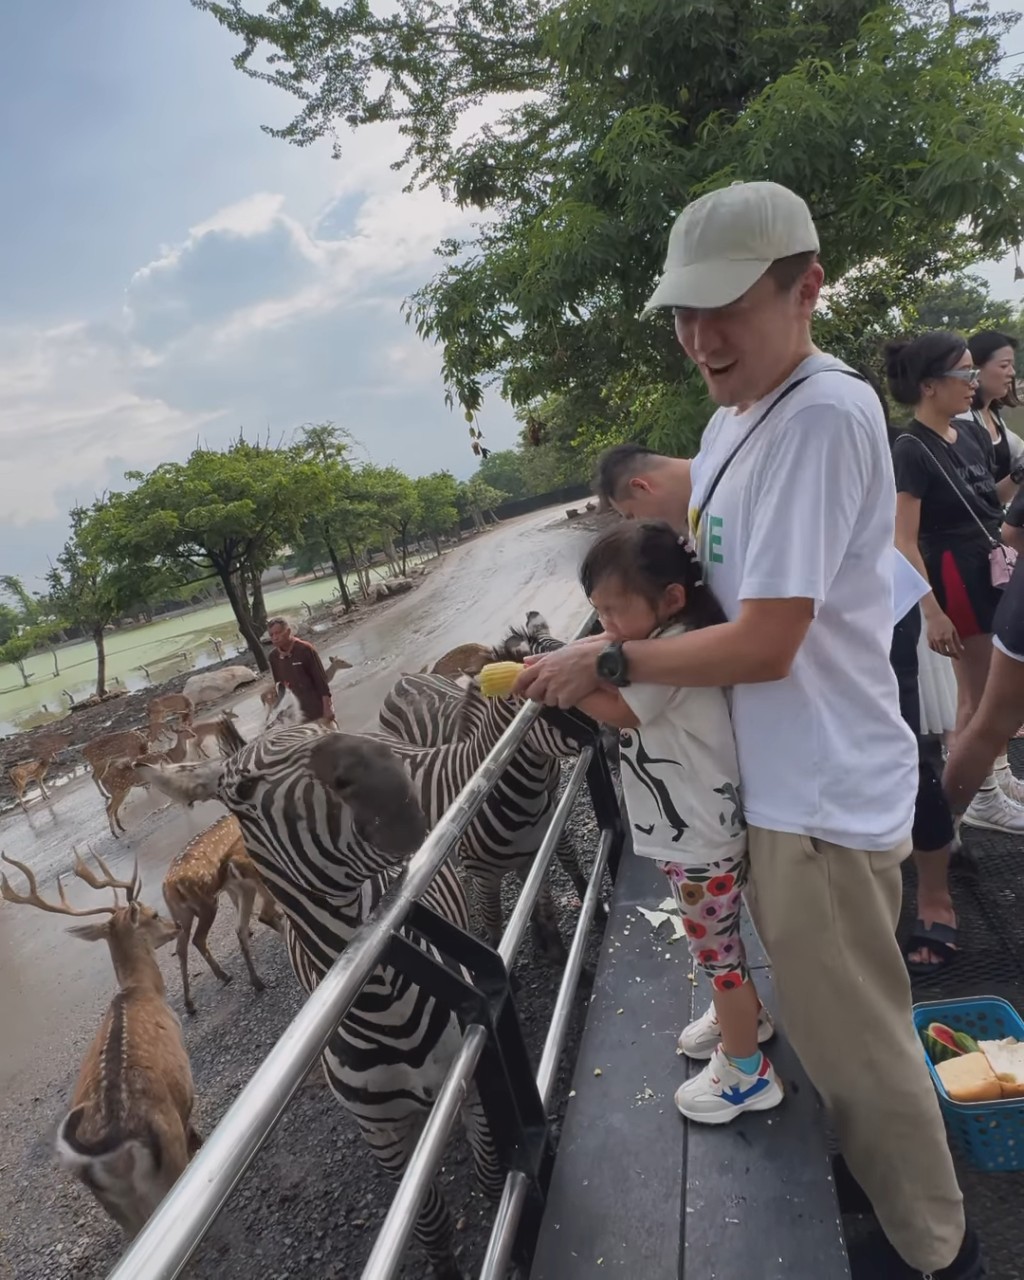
x: 725, y: 241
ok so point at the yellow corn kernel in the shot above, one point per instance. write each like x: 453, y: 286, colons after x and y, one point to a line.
x: 498, y: 678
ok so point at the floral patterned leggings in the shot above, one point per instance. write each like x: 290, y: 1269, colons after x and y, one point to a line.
x: 709, y: 898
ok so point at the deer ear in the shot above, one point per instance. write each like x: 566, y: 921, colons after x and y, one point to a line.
x: 134, y: 911
x: 90, y: 932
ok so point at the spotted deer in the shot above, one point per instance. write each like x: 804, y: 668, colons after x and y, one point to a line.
x: 29, y: 771
x: 171, y: 706
x: 215, y: 862
x: 207, y: 730
x: 128, y: 1133
x: 119, y: 776
x: 127, y: 744
x: 464, y: 659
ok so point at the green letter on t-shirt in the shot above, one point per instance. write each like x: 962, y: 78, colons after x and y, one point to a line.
x: 715, y: 540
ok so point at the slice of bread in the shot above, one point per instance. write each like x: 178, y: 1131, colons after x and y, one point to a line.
x: 1006, y: 1058
x: 969, y: 1078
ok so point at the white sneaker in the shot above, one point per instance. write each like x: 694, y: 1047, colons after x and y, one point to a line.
x: 994, y: 811
x: 1009, y: 784
x: 722, y: 1091
x: 703, y: 1036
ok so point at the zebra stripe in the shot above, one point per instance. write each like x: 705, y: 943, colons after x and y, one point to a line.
x: 431, y: 711
x: 388, y: 1058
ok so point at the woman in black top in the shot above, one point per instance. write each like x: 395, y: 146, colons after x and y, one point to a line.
x: 994, y: 357
x: 948, y: 516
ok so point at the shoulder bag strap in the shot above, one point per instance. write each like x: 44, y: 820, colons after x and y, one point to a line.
x: 956, y: 487
x: 699, y: 513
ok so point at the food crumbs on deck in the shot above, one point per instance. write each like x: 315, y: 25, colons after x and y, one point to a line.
x: 597, y: 1071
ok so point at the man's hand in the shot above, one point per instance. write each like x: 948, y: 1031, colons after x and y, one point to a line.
x: 562, y: 678
x: 328, y: 710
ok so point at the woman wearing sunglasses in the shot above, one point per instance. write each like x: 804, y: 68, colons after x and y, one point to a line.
x: 949, y: 512
x: 949, y: 515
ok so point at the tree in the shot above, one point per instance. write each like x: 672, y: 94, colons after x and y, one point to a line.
x: 90, y: 593
x: 28, y: 605
x: 961, y: 303
x: 506, y: 470
x: 477, y: 499
x: 328, y: 446
x: 630, y: 111
x: 437, y: 495
x: 225, y: 513
x: 15, y: 650
x: 393, y: 497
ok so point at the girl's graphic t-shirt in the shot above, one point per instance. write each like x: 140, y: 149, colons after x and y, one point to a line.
x: 680, y: 778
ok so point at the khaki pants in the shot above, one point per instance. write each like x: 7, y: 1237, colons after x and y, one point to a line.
x: 827, y: 917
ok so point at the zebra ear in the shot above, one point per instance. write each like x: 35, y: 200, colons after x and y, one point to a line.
x: 369, y: 778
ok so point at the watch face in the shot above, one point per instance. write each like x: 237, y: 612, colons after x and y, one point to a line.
x: 609, y: 663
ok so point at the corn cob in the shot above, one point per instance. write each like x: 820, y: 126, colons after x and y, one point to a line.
x: 497, y: 678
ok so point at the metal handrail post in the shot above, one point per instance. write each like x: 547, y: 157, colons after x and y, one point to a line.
x: 499, y: 1246
x: 398, y: 1225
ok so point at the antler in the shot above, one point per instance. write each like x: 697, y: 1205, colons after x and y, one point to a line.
x: 132, y: 888
x: 35, y: 899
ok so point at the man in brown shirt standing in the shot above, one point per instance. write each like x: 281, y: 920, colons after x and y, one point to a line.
x: 295, y: 663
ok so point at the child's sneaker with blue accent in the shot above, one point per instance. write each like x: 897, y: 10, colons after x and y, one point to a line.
x: 722, y: 1091
x: 703, y: 1036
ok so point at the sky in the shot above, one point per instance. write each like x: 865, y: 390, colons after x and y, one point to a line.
x: 172, y: 275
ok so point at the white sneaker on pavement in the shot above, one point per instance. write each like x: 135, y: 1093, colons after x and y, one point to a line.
x: 722, y: 1091
x: 1009, y: 784
x: 703, y: 1036
x: 993, y: 811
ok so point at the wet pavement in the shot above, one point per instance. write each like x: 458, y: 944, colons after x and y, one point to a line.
x: 53, y: 988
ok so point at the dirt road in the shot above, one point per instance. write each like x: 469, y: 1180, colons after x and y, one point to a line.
x: 53, y: 988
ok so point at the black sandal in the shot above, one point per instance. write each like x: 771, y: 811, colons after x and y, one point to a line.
x: 939, y: 939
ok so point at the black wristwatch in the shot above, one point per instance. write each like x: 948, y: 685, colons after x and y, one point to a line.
x: 612, y: 665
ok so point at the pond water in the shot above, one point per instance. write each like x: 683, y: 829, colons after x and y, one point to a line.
x: 139, y: 656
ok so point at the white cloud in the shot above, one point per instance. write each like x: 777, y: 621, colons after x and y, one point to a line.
x: 253, y: 319
x: 68, y: 412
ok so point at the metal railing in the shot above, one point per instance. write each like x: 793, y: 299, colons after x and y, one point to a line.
x: 174, y: 1232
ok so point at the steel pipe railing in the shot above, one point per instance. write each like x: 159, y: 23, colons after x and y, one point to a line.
x: 174, y: 1232
x: 397, y: 1228
x: 499, y: 1248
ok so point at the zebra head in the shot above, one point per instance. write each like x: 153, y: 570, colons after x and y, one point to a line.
x: 555, y: 732
x: 348, y: 797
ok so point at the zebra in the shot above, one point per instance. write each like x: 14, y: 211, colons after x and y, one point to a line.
x: 329, y: 819
x: 433, y: 711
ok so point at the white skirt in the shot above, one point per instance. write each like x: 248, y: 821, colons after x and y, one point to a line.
x: 936, y: 682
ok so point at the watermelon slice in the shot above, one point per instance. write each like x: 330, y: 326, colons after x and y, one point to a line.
x: 942, y: 1043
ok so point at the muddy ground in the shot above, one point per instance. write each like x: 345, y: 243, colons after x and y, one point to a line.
x: 310, y: 1204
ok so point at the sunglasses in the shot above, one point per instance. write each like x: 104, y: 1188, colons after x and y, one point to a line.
x: 963, y: 375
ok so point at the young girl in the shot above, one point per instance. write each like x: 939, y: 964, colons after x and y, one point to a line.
x: 681, y: 785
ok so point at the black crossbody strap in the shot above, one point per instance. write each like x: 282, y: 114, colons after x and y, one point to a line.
x: 699, y: 514
x: 955, y: 484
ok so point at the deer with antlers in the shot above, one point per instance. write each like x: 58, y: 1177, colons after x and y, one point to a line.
x: 215, y: 862
x: 128, y: 1134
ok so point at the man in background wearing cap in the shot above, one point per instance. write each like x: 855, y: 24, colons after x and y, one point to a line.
x: 792, y: 502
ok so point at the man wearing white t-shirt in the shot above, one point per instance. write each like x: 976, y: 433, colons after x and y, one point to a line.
x: 792, y: 502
